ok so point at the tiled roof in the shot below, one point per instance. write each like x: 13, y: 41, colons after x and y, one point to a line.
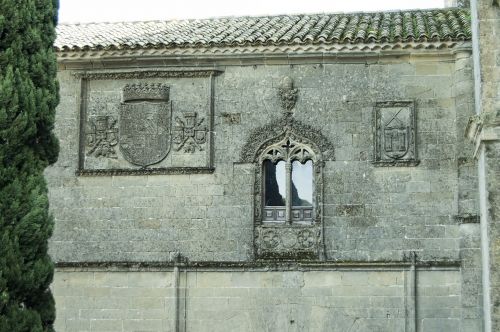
x: 355, y: 28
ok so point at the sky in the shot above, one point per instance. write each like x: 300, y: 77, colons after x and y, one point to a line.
x: 72, y: 11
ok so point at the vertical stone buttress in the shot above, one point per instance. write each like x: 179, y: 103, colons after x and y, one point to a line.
x: 484, y: 130
x: 467, y: 195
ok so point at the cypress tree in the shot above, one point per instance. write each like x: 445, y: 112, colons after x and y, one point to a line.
x: 28, y: 97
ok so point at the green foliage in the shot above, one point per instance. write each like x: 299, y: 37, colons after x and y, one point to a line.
x: 28, y: 97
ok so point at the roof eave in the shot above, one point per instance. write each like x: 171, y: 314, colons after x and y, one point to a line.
x: 252, y: 52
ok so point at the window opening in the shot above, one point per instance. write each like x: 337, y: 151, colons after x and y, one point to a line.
x: 288, y: 183
x: 302, y: 190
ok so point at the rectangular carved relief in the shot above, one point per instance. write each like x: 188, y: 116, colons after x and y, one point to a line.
x: 146, y: 122
x: 395, y: 134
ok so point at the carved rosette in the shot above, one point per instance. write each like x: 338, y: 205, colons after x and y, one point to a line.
x: 306, y: 239
x: 279, y: 242
x: 270, y: 239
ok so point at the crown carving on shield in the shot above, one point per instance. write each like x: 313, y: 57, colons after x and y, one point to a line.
x: 145, y: 91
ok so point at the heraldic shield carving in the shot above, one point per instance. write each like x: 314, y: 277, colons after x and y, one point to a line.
x: 395, y: 143
x: 145, y: 124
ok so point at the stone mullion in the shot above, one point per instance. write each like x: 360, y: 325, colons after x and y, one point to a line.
x: 288, y: 200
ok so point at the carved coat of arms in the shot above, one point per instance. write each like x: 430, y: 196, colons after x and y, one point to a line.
x: 395, y: 133
x: 145, y: 123
x: 396, y: 137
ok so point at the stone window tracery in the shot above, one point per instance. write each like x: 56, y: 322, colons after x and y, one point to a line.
x: 288, y: 185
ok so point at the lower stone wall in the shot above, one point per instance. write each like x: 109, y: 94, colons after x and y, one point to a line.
x: 335, y: 300
x: 114, y: 301
x: 295, y: 301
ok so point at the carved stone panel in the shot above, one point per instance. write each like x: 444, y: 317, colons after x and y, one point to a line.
x: 279, y: 242
x: 395, y: 131
x: 146, y: 122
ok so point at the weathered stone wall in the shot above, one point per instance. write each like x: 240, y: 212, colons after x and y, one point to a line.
x: 492, y: 190
x: 370, y: 213
x: 468, y: 215
x: 486, y: 137
x: 114, y: 301
x: 201, y: 204
x: 334, y: 300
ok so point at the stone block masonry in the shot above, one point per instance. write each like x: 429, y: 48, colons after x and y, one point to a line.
x: 342, y: 299
x: 209, y: 217
x: 390, y: 241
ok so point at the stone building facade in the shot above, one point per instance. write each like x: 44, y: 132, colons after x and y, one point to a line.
x: 287, y: 173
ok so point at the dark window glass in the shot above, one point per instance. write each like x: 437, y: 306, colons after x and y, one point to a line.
x: 275, y: 183
x: 302, y: 183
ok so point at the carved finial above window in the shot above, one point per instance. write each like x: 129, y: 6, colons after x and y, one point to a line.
x: 288, y: 94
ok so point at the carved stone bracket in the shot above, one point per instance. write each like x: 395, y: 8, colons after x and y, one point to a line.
x: 473, y: 127
x: 484, y: 127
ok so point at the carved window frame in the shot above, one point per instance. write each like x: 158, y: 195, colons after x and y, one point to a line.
x: 284, y: 241
x: 302, y: 150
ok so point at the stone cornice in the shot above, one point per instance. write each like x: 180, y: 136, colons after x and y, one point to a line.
x: 289, y: 51
x: 149, y: 73
x: 145, y: 171
x: 260, y: 265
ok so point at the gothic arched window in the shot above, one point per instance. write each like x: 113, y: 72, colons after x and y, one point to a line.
x: 288, y: 183
x: 288, y: 158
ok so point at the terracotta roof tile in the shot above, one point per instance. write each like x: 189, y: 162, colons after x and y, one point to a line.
x: 380, y: 27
